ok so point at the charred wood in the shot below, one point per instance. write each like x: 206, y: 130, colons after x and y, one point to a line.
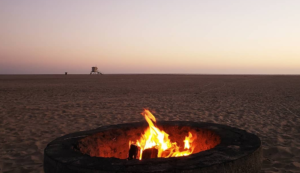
x: 133, y: 152
x: 150, y: 153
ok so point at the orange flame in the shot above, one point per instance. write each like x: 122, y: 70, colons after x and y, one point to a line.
x: 154, y: 137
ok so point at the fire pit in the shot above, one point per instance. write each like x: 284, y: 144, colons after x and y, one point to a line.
x: 118, y: 148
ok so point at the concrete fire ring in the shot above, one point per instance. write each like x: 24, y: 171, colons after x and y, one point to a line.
x: 239, y: 151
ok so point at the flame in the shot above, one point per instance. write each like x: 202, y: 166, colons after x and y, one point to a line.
x: 154, y: 137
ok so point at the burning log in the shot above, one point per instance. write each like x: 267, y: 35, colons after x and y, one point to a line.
x: 150, y: 153
x: 133, y: 152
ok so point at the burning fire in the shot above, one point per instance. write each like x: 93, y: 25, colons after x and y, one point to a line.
x: 153, y: 137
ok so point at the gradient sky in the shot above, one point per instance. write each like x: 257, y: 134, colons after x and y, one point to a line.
x: 150, y: 36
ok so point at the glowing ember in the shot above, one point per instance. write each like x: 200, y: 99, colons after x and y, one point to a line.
x: 158, y: 139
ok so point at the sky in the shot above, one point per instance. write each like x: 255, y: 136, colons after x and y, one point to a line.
x: 150, y: 36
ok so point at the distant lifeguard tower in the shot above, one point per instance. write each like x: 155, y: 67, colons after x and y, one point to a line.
x: 95, y: 71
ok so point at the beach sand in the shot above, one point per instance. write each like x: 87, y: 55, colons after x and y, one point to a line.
x: 36, y: 109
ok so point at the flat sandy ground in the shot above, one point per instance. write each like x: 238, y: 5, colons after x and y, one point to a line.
x: 36, y: 109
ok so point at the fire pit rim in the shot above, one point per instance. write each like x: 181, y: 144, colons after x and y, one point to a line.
x: 60, y: 150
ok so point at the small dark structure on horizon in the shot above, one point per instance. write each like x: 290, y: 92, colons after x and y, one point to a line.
x: 95, y: 71
x: 66, y: 73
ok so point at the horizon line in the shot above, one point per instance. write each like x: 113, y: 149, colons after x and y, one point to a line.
x: 250, y: 74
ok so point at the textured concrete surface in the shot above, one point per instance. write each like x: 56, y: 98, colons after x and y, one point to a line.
x: 238, y: 151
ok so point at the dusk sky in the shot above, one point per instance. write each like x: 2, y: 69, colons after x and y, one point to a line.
x: 150, y: 36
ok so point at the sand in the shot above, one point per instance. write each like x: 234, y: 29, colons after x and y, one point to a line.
x: 36, y: 109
